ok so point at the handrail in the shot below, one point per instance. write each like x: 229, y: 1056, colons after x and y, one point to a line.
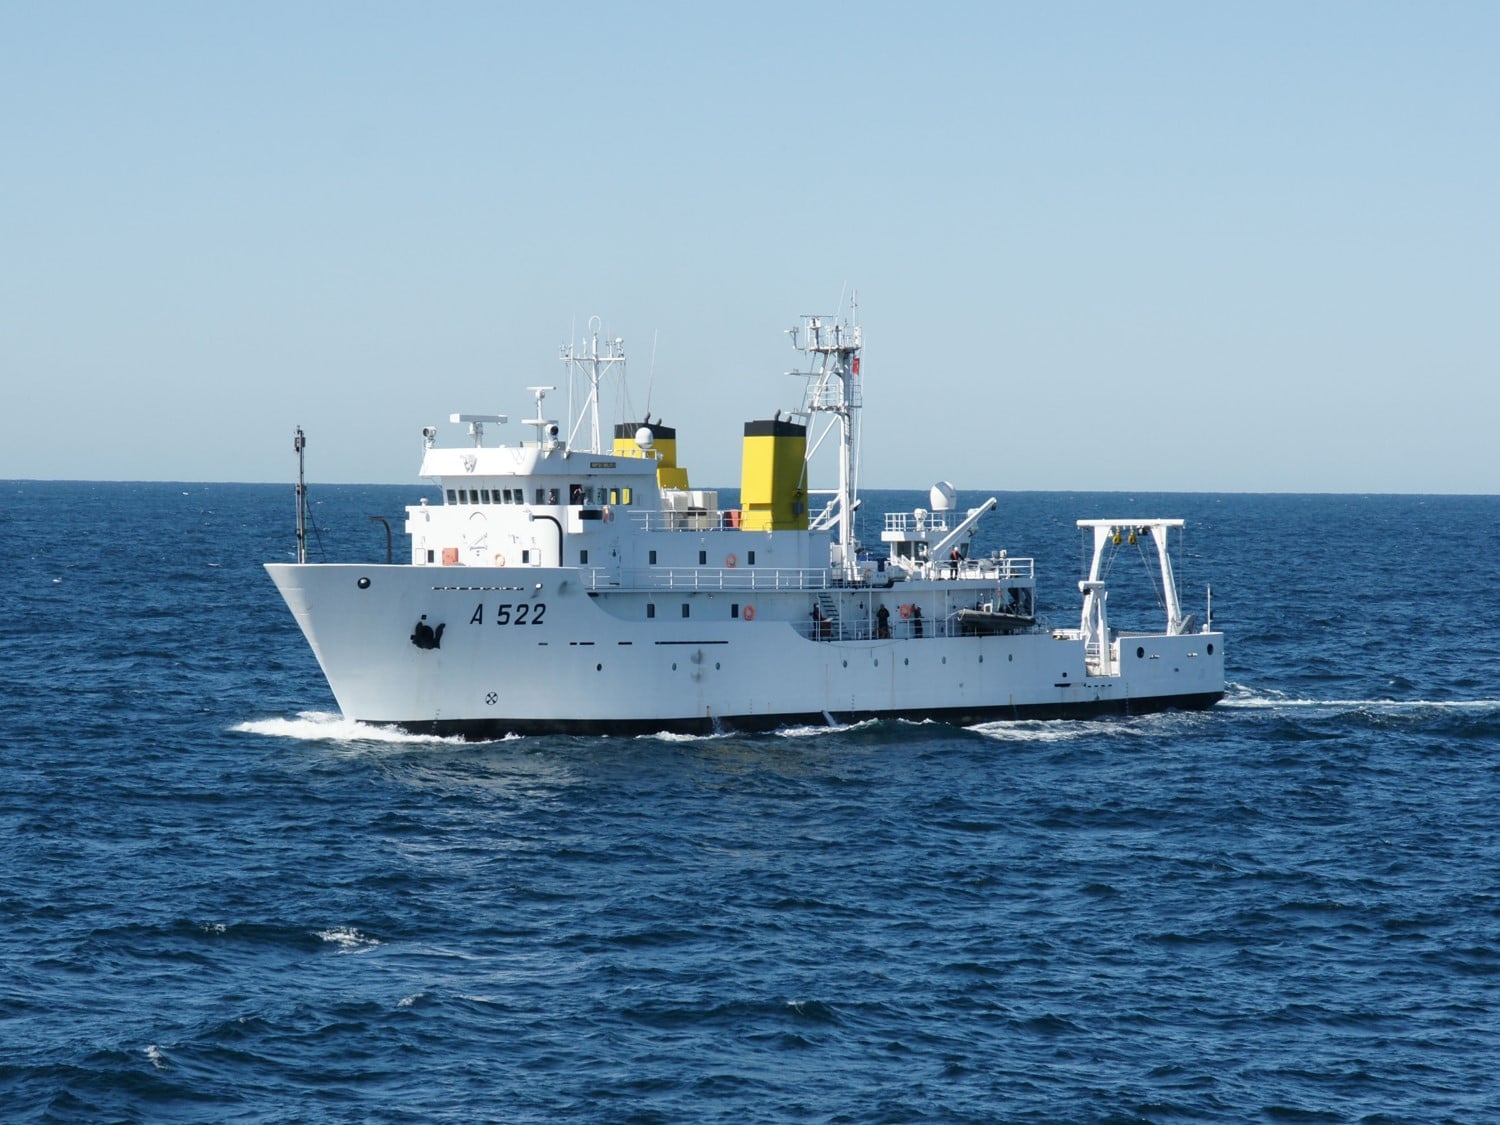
x: 709, y: 578
x: 692, y: 519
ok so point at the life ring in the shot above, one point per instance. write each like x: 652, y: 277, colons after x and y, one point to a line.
x: 731, y: 560
x: 499, y: 559
x: 906, y: 609
x: 748, y: 613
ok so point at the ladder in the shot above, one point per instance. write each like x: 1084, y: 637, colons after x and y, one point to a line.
x: 826, y: 625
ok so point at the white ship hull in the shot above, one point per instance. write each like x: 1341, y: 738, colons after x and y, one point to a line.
x: 575, y: 660
x: 563, y: 585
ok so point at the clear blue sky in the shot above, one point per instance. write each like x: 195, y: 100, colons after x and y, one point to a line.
x: 1142, y: 246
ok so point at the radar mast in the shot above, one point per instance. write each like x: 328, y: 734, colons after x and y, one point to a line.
x: 832, y: 346
x: 594, y: 365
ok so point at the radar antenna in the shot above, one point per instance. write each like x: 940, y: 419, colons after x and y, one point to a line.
x: 546, y: 428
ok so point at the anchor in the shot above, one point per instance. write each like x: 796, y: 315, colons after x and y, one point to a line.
x: 424, y: 636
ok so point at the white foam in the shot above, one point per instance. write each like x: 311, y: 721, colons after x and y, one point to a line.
x: 673, y: 736
x: 1278, y: 702
x: 348, y: 939
x: 811, y: 731
x: 1035, y: 730
x: 324, y: 726
x: 156, y: 1056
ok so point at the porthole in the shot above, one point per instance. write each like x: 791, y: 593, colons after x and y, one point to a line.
x: 716, y: 665
x: 1210, y: 650
x: 846, y: 664
x: 906, y: 660
x: 598, y: 667
x: 1139, y: 652
x: 364, y: 584
x: 877, y: 663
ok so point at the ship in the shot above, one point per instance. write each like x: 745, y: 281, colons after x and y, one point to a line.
x: 565, y: 584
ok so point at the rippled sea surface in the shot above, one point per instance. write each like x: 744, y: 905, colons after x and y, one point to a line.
x: 222, y: 902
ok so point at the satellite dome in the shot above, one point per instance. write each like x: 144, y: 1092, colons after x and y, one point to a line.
x: 943, y: 496
x: 644, y: 437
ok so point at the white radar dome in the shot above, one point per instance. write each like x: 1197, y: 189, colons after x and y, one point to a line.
x: 943, y: 496
x: 644, y: 437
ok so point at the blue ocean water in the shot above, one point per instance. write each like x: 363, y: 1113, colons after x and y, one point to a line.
x: 222, y: 902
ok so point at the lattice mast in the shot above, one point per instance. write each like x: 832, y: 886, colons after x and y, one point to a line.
x: 594, y: 364
x: 833, y: 389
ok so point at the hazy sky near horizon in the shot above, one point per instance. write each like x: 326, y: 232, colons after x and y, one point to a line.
x: 1097, y: 246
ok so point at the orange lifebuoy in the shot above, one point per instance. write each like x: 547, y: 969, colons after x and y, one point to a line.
x: 499, y: 559
x: 748, y: 613
x: 731, y: 561
x: 906, y: 609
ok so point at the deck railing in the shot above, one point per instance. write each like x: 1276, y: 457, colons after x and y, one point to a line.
x: 709, y: 578
x: 689, y: 519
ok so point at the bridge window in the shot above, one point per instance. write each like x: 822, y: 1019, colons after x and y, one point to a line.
x: 452, y: 497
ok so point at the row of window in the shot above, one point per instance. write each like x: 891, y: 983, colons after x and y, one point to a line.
x: 577, y: 494
x: 583, y: 558
x: 703, y: 559
x: 525, y: 559
x: 734, y: 610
